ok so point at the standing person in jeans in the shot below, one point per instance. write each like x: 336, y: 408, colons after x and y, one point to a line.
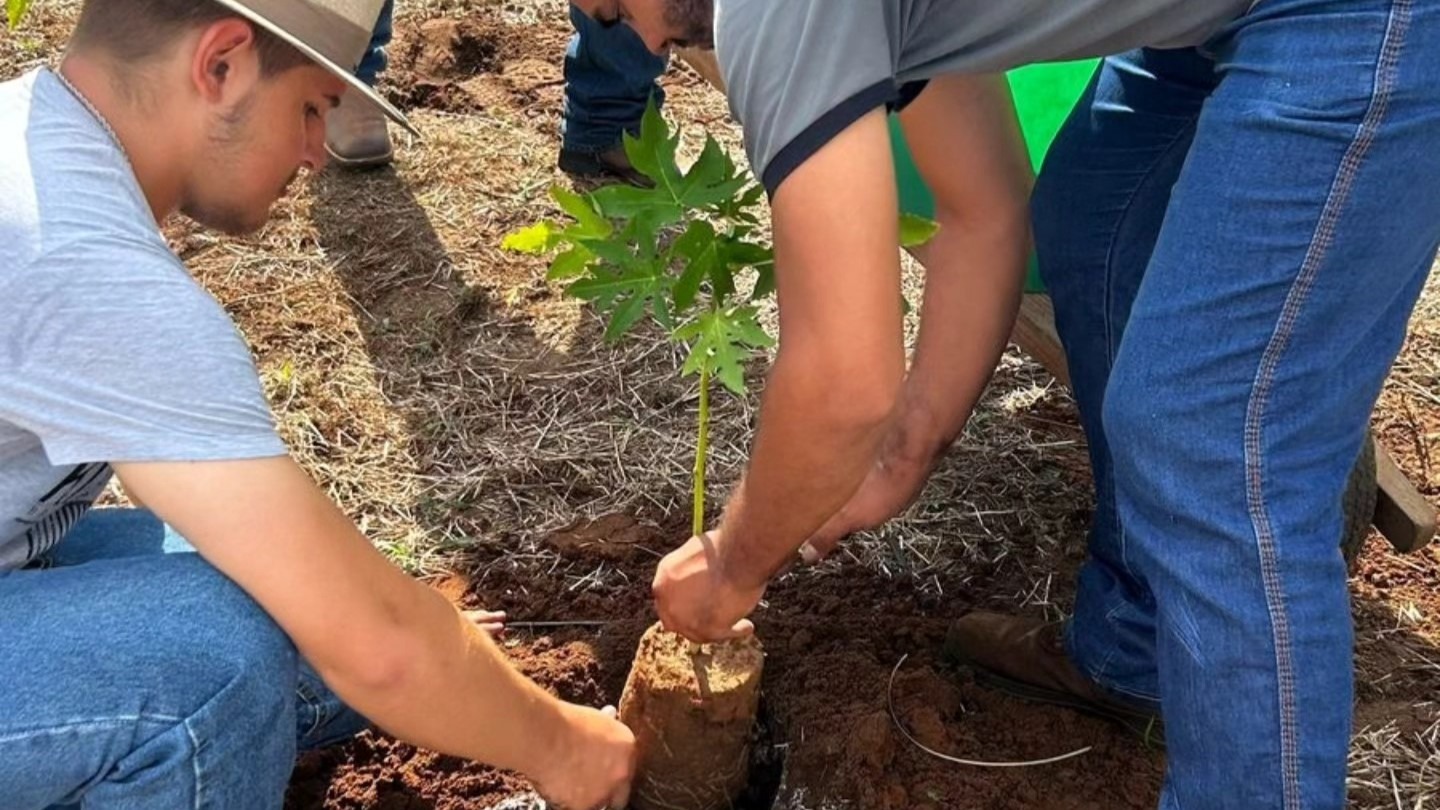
x: 609, y: 78
x: 1235, y: 225
x: 138, y: 673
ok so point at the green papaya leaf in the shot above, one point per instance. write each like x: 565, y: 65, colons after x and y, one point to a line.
x: 625, y: 201
x: 624, y: 293
x: 14, y: 10
x: 721, y: 341
x: 625, y: 317
x: 570, y: 264
x: 589, y: 223
x: 697, y: 250
x: 747, y: 254
x: 916, y: 230
x: 764, y: 282
x: 538, y: 239
x: 653, y: 153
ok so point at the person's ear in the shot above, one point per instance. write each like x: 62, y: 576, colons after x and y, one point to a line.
x: 225, y: 60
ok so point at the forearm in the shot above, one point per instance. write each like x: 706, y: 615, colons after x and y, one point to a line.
x: 816, y: 442
x: 394, y: 649
x: 973, y: 281
x: 457, y: 694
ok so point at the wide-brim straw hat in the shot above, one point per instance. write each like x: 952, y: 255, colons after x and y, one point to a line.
x: 335, y: 34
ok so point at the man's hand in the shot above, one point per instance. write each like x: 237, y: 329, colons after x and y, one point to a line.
x: 890, y: 487
x: 697, y: 599
x: 593, y: 764
x: 491, y: 621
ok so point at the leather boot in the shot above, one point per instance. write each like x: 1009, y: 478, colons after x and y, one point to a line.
x: 612, y: 162
x: 357, y: 135
x: 1026, y: 658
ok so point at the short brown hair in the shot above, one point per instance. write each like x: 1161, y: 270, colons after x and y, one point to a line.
x: 694, y: 19
x: 137, y: 30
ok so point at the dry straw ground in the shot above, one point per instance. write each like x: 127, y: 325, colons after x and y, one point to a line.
x: 449, y: 399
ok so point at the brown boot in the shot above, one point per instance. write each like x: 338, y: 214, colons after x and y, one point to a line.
x: 612, y: 162
x: 1026, y: 658
x: 356, y: 134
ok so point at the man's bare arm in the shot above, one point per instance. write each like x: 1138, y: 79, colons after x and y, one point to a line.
x: 841, y: 358
x: 966, y: 142
x: 965, y: 138
x: 391, y: 647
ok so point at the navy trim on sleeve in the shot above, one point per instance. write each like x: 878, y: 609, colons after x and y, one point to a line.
x: 823, y: 131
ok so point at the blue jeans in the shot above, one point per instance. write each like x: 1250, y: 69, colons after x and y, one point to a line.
x: 373, y: 64
x: 138, y: 676
x: 1234, y: 238
x: 609, y: 78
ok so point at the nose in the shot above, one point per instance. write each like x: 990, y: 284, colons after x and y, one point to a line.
x: 315, y: 156
x: 657, y: 43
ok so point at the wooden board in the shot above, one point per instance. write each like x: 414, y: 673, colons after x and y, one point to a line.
x: 1402, y: 514
x: 1035, y: 333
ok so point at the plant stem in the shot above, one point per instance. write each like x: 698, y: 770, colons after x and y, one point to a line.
x: 702, y: 449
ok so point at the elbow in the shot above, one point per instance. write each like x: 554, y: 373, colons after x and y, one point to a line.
x: 1003, y: 220
x: 846, y: 396
x: 369, y: 668
x: 865, y: 406
x: 371, y: 659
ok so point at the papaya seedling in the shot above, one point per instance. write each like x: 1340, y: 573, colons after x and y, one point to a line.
x: 676, y: 253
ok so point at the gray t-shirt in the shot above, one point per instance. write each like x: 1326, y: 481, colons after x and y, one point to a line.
x: 109, y: 350
x: 799, y: 72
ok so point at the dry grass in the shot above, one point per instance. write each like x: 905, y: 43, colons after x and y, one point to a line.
x: 446, y: 396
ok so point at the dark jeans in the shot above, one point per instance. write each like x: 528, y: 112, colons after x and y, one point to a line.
x: 609, y: 77
x: 374, y: 62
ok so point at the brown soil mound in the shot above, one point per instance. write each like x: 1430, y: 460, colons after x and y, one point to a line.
x: 693, y: 711
x: 832, y: 639
x: 475, y: 63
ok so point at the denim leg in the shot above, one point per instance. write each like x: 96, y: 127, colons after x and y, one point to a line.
x: 142, y: 682
x: 609, y: 78
x: 138, y: 562
x: 1297, y: 239
x: 374, y: 61
x: 1097, y: 210
x: 111, y: 534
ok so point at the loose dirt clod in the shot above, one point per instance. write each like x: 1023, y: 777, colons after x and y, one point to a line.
x: 692, y: 714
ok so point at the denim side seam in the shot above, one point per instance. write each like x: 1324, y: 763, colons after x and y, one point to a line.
x: 1324, y: 237
x: 312, y: 706
x: 90, y: 724
x: 199, y: 772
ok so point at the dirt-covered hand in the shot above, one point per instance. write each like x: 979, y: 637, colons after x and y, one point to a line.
x: 594, y: 764
x: 491, y: 621
x: 696, y: 599
x: 888, y: 489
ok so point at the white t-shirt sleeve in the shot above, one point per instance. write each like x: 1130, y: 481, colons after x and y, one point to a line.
x: 133, y: 363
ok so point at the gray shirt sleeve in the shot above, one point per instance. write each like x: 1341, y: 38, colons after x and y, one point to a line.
x: 131, y: 361
x: 799, y: 72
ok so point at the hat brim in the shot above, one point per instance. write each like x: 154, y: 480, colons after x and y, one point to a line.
x: 365, y: 90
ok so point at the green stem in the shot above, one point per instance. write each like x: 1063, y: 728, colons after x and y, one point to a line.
x: 702, y: 448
